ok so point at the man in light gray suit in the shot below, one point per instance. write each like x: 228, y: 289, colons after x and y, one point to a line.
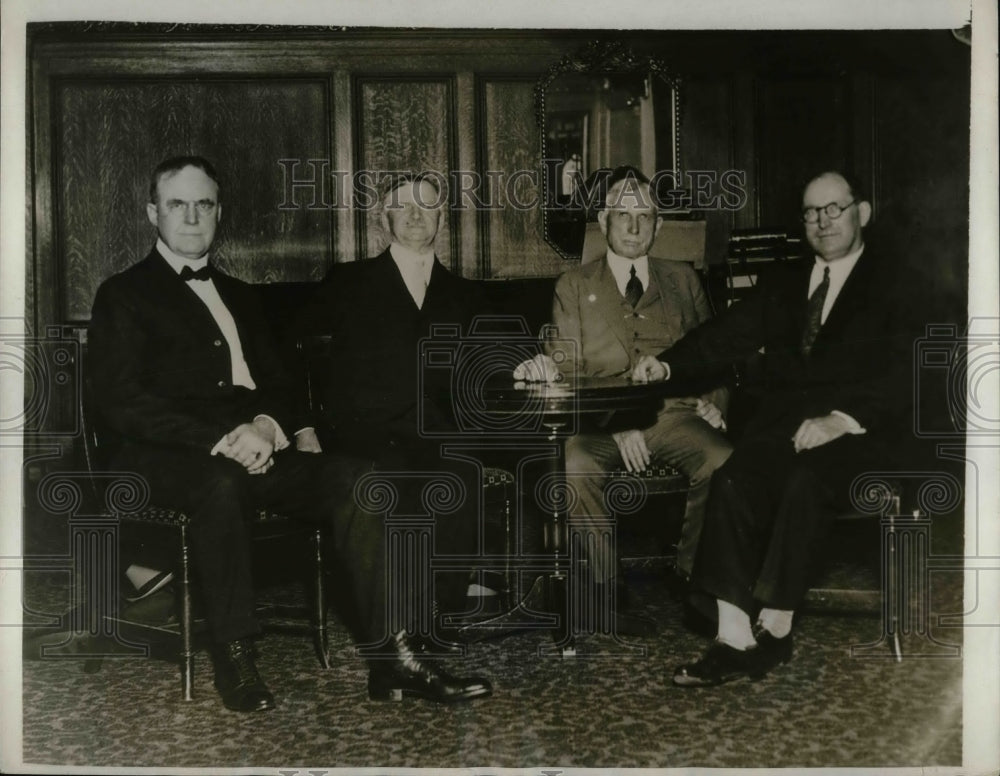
x: 617, y: 310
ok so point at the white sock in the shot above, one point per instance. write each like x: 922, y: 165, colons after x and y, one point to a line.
x: 777, y: 622
x: 734, y: 626
x: 139, y: 575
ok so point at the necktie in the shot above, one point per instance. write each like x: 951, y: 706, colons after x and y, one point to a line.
x: 633, y: 289
x: 190, y: 274
x: 814, y: 313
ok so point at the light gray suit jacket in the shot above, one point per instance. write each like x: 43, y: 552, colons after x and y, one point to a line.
x: 587, y: 311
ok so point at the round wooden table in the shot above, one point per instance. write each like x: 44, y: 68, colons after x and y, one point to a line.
x: 555, y: 411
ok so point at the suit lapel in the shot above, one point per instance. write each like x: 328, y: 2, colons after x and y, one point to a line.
x: 852, y: 294
x: 601, y: 286
x: 662, y: 290
x: 176, y: 294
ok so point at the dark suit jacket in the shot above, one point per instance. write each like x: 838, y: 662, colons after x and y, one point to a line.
x: 160, y: 368
x: 859, y: 363
x: 373, y: 390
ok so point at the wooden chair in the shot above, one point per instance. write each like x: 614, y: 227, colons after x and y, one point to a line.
x: 267, y: 526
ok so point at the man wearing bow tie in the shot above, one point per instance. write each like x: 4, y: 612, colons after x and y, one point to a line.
x: 191, y: 395
x: 836, y: 348
x: 619, y: 309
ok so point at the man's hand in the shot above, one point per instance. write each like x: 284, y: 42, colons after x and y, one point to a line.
x: 818, y: 431
x: 306, y: 441
x: 711, y: 414
x: 251, y: 445
x: 539, y: 369
x: 632, y: 446
x: 650, y: 370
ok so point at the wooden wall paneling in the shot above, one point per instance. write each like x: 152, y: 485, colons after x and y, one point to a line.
x: 863, y: 161
x: 923, y: 131
x: 743, y: 139
x: 513, y: 243
x: 803, y: 124
x: 404, y: 123
x: 40, y: 267
x: 707, y: 127
x: 111, y: 133
x: 468, y: 262
x: 342, y: 165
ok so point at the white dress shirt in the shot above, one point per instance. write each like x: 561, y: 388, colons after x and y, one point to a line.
x: 209, y: 294
x: 839, y: 270
x: 415, y: 268
x: 621, y: 268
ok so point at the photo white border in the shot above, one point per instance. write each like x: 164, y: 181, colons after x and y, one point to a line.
x: 981, y: 717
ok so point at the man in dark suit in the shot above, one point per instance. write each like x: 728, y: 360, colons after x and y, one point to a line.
x: 836, y: 360
x: 194, y: 398
x: 617, y: 310
x: 376, y: 400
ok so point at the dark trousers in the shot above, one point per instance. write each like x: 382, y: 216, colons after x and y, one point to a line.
x: 429, y: 483
x: 220, y: 498
x: 768, y: 515
x: 678, y: 437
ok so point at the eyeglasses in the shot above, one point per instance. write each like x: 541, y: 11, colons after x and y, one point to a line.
x: 810, y: 215
x: 204, y: 207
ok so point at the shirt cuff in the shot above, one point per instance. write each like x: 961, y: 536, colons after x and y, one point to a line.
x: 666, y: 366
x: 280, y: 440
x: 853, y: 427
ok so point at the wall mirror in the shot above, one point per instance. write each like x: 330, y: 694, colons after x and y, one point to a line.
x: 597, y: 109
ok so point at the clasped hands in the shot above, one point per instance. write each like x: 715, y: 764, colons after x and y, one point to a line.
x: 251, y: 445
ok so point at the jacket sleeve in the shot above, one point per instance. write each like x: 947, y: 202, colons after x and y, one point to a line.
x: 126, y: 403
x: 710, y: 349
x: 566, y: 346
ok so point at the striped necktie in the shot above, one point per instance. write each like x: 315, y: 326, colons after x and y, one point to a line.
x: 814, y: 313
x: 633, y: 289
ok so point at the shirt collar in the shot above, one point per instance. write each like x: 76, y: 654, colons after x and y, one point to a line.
x: 841, y: 267
x: 177, y: 263
x: 621, y: 267
x: 408, y: 257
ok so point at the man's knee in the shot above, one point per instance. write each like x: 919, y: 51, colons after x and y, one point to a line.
x: 713, y: 456
x: 580, y: 460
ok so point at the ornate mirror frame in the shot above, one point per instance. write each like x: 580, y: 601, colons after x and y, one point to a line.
x: 607, y: 60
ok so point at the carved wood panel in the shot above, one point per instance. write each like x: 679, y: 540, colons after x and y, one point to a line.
x: 802, y: 127
x: 110, y: 135
x: 404, y: 125
x: 513, y: 244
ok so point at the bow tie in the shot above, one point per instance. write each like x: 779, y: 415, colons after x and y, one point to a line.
x: 190, y: 274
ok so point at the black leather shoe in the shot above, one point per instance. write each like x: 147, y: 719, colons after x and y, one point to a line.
x: 237, y: 680
x: 720, y: 664
x: 772, y: 650
x: 723, y: 663
x: 440, y: 643
x: 404, y: 672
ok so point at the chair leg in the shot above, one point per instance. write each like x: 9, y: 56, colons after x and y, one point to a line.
x: 319, y: 615
x: 187, y: 650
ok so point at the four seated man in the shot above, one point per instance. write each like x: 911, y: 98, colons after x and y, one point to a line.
x: 196, y: 399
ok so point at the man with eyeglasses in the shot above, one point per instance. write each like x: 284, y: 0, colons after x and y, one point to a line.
x: 835, y: 347
x: 191, y: 395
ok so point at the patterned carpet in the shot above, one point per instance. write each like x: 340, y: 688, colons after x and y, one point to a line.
x: 611, y: 706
